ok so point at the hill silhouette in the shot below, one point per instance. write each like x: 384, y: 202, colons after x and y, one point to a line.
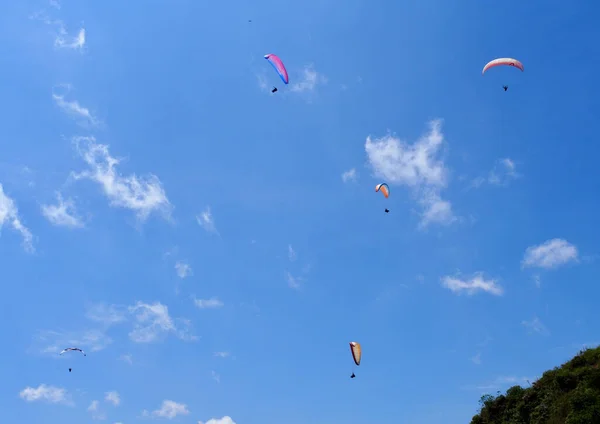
x: 569, y: 394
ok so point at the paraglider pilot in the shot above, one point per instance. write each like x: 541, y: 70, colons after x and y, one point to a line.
x: 69, y: 369
x: 505, y: 87
x: 352, y: 376
x: 387, y: 211
x: 274, y: 90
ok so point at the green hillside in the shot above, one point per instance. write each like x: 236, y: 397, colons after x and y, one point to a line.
x: 569, y: 394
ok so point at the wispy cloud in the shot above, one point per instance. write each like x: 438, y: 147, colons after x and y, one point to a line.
x: 127, y: 358
x: 9, y: 215
x: 215, y: 376
x: 206, y: 220
x: 293, y: 282
x: 536, y: 326
x: 143, y: 195
x: 291, y: 253
x: 417, y: 166
x: 44, y: 393
x: 169, y: 410
x: 502, y: 174
x: 152, y: 322
x: 113, y: 397
x: 51, y: 342
x: 550, y: 255
x: 473, y: 285
x: 212, y: 303
x: 349, y: 175
x: 106, y: 314
x: 182, y: 269
x: 501, y: 382
x: 63, y: 39
x: 94, y: 409
x: 222, y: 354
x: 476, y: 359
x: 63, y: 213
x: 309, y: 80
x: 73, y: 108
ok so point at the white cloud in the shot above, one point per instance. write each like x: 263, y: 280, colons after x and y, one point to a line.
x: 211, y: 303
x: 503, y: 172
x: 143, y: 195
x: 291, y: 253
x: 349, y: 175
x: 537, y: 281
x: 50, y: 394
x: 55, y: 4
x: 503, y: 382
x: 206, y: 221
x: 476, y: 359
x: 52, y: 342
x: 106, y: 314
x: 309, y: 80
x: 550, y: 254
x: 64, y: 40
x: 62, y: 37
x: 9, y: 214
x: 183, y: 270
x: 215, y: 376
x: 293, y: 282
x: 472, y: 286
x: 152, y: 322
x: 225, y: 420
x: 73, y: 108
x: 170, y: 409
x: 416, y: 166
x: 126, y: 358
x: 222, y: 354
x: 536, y: 326
x: 94, y: 409
x: 63, y: 214
x: 113, y: 397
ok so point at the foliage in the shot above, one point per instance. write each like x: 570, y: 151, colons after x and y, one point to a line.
x: 569, y: 394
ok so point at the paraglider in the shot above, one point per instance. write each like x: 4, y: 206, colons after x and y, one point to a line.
x: 279, y: 68
x: 503, y: 61
x: 384, y: 188
x: 72, y: 349
x: 356, y: 351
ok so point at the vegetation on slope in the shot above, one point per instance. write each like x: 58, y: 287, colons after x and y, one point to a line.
x: 569, y: 394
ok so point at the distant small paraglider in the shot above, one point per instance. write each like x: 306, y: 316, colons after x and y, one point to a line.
x: 383, y: 187
x: 356, y: 351
x: 505, y: 87
x: 279, y: 68
x: 72, y: 349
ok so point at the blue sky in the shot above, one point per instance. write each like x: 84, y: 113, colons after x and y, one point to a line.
x: 214, y: 247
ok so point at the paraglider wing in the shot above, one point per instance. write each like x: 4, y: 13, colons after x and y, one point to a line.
x: 279, y: 67
x: 356, y: 352
x: 72, y: 349
x: 503, y: 61
x: 383, y: 187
